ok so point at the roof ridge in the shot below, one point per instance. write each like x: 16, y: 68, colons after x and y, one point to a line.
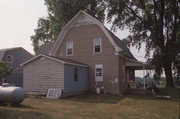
x: 7, y: 49
x: 60, y: 59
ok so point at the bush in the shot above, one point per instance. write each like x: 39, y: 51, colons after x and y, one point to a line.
x: 4, y: 70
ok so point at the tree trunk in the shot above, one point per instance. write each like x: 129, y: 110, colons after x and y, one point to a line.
x: 168, y: 73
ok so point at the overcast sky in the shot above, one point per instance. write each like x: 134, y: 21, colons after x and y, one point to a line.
x: 18, y: 19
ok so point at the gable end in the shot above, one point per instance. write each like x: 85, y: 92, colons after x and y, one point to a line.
x: 79, y: 19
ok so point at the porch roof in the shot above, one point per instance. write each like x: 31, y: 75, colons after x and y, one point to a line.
x: 137, y: 65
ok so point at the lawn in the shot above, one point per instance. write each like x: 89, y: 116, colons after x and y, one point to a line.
x: 92, y: 106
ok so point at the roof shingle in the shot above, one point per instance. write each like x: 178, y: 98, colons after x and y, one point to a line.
x: 122, y: 45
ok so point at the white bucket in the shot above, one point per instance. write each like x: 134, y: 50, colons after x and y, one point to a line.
x: 97, y: 90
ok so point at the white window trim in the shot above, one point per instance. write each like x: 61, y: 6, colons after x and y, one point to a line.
x: 67, y: 48
x: 99, y: 66
x: 7, y: 59
x: 94, y: 46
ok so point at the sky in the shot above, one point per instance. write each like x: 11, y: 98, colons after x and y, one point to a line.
x: 18, y: 19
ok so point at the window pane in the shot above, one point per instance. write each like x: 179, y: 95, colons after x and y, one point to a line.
x: 69, y: 48
x: 9, y: 59
x: 97, y: 42
x: 97, y: 45
x: 69, y: 51
x: 75, y: 74
x: 69, y: 44
x: 97, y: 49
x: 99, y: 72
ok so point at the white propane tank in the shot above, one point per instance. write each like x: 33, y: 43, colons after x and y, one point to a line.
x: 97, y: 90
x: 11, y: 94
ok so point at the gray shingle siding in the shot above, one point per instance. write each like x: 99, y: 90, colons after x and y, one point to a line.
x: 15, y: 78
x: 19, y: 56
x: 70, y: 85
x: 1, y: 55
x: 42, y: 74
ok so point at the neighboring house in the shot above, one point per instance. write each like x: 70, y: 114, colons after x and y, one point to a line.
x: 13, y: 57
x: 86, y: 40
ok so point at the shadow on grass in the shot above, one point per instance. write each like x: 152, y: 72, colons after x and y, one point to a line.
x: 10, y: 114
x: 96, y: 98
x: 16, y: 105
x: 114, y: 99
x: 174, y: 93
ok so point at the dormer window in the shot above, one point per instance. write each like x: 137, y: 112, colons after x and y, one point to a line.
x: 69, y: 48
x: 97, y: 45
x: 9, y: 59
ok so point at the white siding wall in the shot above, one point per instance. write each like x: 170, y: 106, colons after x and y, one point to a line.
x: 43, y: 73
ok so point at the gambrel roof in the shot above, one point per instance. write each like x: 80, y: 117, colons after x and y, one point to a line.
x: 122, y: 45
x: 83, y: 18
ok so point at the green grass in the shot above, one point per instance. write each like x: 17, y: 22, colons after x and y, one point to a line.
x: 92, y: 106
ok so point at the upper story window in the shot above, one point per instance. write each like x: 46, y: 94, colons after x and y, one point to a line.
x: 69, y: 48
x: 9, y: 59
x: 97, y: 45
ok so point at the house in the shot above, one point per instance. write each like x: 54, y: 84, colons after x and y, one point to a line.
x: 13, y: 57
x: 86, y: 40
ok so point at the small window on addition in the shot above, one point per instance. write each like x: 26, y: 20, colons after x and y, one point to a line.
x: 9, y: 59
x: 75, y: 74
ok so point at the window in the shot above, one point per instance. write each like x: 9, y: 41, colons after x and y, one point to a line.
x: 97, y: 45
x: 99, y: 72
x: 69, y: 48
x: 9, y: 59
x: 75, y: 74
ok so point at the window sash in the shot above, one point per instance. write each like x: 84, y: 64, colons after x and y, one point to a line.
x: 9, y: 59
x: 98, y: 72
x: 97, y: 45
x: 69, y: 50
x: 97, y: 49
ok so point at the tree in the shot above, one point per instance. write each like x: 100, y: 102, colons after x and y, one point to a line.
x: 153, y: 22
x: 4, y: 70
x: 59, y: 13
x: 157, y: 64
